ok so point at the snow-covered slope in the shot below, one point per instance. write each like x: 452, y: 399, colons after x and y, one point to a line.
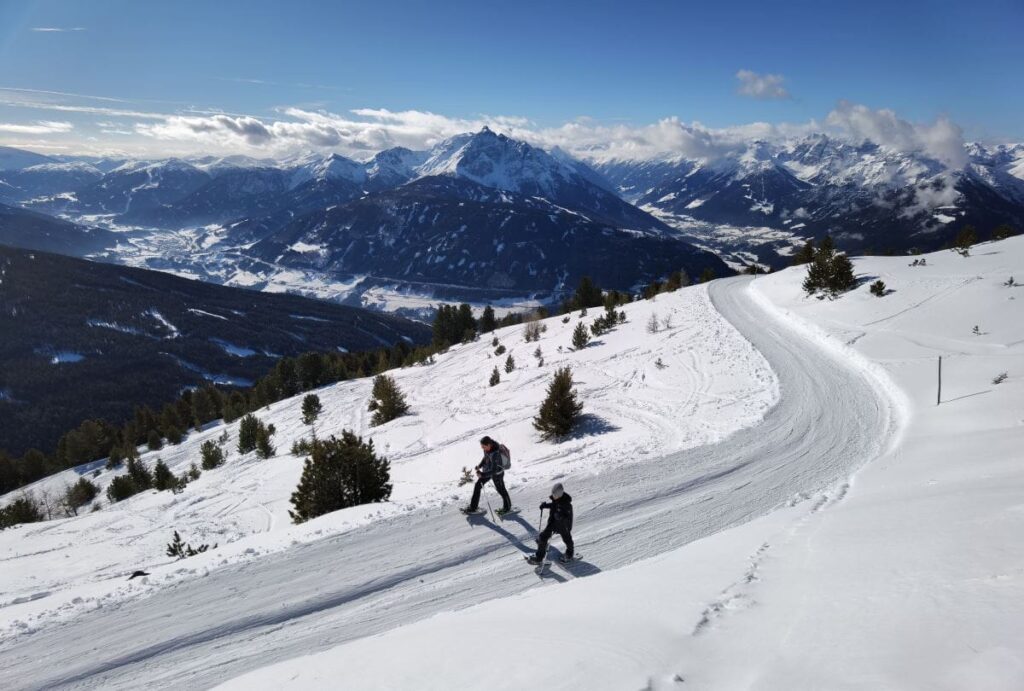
x: 712, y: 383
x: 909, y: 576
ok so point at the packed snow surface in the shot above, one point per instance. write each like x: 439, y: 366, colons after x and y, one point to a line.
x: 711, y: 383
x: 910, y: 575
x: 833, y: 529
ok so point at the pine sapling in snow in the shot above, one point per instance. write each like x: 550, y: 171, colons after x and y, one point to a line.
x: 965, y: 240
x: 212, y: 455
x: 495, y: 377
x: 466, y: 478
x: 561, y: 410
x: 580, y: 336
x: 510, y: 364
x: 390, y: 400
x: 163, y: 478
x: 878, y: 288
x: 311, y: 409
x: 179, y: 549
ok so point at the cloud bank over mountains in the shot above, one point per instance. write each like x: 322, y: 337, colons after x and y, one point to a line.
x: 123, y: 128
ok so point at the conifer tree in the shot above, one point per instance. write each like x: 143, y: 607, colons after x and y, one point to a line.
x: 24, y: 509
x: 495, y: 377
x: 340, y: 473
x: 248, y: 432
x: 212, y: 454
x: 390, y: 401
x: 580, y: 336
x: 311, y: 408
x: 561, y: 409
x: 510, y: 364
x: 120, y: 488
x: 264, y: 449
x: 141, y: 477
x: 488, y: 323
x: 163, y: 478
x: 965, y: 239
x: 153, y: 440
x: 841, y: 278
x: 707, y: 275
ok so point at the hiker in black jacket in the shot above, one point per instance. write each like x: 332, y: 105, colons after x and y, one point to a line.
x: 490, y: 468
x: 559, y: 521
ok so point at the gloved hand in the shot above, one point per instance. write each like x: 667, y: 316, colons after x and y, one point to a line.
x: 545, y: 505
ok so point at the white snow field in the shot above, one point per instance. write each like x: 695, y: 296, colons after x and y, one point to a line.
x: 910, y: 575
x: 823, y: 527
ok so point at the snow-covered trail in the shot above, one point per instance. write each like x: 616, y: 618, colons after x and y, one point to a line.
x: 831, y: 419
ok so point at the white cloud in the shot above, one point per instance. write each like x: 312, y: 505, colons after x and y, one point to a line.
x: 942, y: 140
x: 57, y: 29
x: 41, y: 127
x: 762, y: 86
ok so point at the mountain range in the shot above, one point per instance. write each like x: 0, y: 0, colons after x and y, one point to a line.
x: 484, y: 216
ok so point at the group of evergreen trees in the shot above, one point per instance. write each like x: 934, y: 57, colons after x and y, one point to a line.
x: 95, y: 439
x: 829, y: 272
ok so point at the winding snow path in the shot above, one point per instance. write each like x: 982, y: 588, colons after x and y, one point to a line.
x: 831, y: 419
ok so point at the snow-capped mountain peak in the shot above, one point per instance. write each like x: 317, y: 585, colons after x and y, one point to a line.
x: 495, y: 160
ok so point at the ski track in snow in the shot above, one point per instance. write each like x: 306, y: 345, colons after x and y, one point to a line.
x: 831, y: 419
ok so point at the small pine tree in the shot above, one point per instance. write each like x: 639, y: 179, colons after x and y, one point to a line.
x: 116, y: 458
x: 466, y: 478
x: 24, y: 509
x: 248, y: 433
x: 1003, y: 231
x: 176, y: 547
x: 878, y: 288
x: 390, y: 400
x: 561, y: 409
x: 494, y: 342
x: 264, y: 449
x: 340, y: 473
x: 965, y: 240
x: 495, y: 377
x: 80, y: 494
x: 212, y: 454
x: 510, y: 364
x: 841, y: 278
x: 163, y: 478
x: 193, y: 473
x: 580, y: 336
x: 539, y: 354
x: 154, y: 441
x: 487, y: 322
x: 500, y: 350
x: 311, y: 409
x: 120, y: 488
x: 139, y: 474
x: 707, y: 275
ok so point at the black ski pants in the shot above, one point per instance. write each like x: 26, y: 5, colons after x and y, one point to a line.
x: 499, y: 484
x: 563, y: 531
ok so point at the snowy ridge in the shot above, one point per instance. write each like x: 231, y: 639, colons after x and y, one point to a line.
x: 713, y: 383
x: 905, y: 576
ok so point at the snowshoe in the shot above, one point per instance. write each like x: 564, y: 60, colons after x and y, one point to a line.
x: 502, y: 512
x: 471, y: 512
x: 533, y: 560
x: 568, y: 560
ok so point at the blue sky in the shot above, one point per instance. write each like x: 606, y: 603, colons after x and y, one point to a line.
x: 544, y: 63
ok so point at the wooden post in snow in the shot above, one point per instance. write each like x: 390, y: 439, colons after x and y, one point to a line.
x: 938, y: 397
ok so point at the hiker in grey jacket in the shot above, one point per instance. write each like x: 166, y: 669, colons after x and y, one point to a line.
x: 490, y: 468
